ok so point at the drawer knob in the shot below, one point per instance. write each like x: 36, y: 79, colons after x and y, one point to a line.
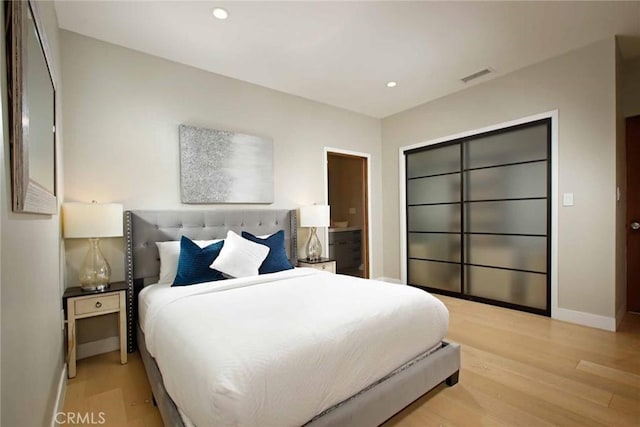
x: 98, y: 304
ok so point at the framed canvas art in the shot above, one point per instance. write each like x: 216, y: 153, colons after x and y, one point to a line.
x: 218, y: 166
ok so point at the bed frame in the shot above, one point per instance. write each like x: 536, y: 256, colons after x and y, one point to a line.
x: 369, y: 407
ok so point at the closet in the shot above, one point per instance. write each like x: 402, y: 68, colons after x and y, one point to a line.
x: 478, y: 217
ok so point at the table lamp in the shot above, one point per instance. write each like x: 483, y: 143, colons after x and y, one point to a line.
x: 92, y: 221
x: 314, y: 216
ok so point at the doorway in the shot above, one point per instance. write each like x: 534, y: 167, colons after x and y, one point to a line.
x: 633, y: 213
x: 347, y: 178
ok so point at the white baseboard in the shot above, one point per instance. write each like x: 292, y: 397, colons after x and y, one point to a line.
x: 389, y: 279
x: 585, y: 319
x: 62, y: 391
x: 92, y: 348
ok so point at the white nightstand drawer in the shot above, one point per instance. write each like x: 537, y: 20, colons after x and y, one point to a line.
x: 97, y: 304
x: 328, y: 265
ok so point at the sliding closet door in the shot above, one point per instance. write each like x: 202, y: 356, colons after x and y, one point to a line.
x: 434, y: 209
x: 506, y: 216
x: 478, y: 217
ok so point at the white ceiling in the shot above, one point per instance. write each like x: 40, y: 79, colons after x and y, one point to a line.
x: 343, y: 53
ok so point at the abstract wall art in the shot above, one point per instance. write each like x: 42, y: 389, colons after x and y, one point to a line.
x: 218, y: 166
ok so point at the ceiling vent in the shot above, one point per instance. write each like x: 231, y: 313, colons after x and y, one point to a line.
x: 476, y: 75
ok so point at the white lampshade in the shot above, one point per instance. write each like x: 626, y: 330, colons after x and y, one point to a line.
x: 314, y: 216
x: 87, y: 220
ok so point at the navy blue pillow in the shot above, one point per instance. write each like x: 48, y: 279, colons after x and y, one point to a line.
x: 277, y: 259
x: 194, y: 262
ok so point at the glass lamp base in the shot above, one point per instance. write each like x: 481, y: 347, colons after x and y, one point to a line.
x: 95, y: 273
x: 314, y: 248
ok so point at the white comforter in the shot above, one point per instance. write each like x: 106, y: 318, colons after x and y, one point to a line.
x: 278, y: 349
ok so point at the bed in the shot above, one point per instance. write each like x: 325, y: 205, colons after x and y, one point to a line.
x: 222, y: 353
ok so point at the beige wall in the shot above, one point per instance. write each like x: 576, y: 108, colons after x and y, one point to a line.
x: 32, y: 338
x: 581, y: 86
x: 122, y: 110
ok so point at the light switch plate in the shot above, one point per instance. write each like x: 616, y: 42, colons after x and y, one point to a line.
x: 567, y: 199
x: 352, y: 211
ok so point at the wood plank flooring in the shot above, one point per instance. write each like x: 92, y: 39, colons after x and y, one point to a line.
x: 121, y: 392
x: 518, y: 369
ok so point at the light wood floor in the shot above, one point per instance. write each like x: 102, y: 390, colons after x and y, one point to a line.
x: 517, y: 369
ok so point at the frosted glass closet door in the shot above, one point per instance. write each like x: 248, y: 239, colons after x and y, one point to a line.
x: 478, y: 217
x: 505, y: 213
x: 434, y: 218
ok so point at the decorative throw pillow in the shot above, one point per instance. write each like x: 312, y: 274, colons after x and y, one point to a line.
x: 169, y: 254
x: 194, y: 261
x: 240, y: 257
x: 277, y: 258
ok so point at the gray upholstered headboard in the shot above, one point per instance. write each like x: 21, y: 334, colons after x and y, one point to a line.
x: 144, y: 228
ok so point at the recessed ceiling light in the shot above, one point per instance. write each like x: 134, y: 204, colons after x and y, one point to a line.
x: 392, y: 84
x: 220, y: 13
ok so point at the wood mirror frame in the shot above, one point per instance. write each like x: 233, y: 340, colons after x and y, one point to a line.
x: 28, y: 194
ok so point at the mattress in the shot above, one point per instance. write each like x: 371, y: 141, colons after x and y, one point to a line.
x: 278, y: 349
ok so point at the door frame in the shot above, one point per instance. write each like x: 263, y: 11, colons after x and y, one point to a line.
x: 553, y: 115
x: 367, y: 157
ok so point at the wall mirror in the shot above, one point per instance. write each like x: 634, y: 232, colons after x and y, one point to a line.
x: 32, y: 95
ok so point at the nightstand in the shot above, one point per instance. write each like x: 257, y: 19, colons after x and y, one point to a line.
x: 82, y: 304
x: 325, y: 264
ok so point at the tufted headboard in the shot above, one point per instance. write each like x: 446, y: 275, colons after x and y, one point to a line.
x: 144, y: 228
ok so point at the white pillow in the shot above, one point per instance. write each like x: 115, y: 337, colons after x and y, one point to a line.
x: 169, y: 256
x: 240, y: 257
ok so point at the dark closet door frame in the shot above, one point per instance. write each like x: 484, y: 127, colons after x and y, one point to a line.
x: 552, y: 263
